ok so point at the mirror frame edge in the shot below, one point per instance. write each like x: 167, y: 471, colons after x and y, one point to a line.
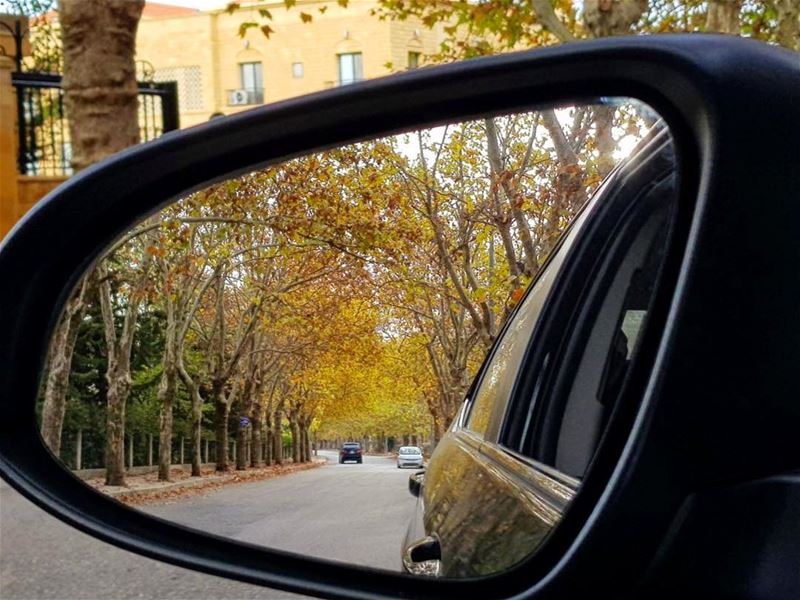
x: 618, y: 67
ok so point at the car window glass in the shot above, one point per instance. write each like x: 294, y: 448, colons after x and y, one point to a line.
x: 500, y: 374
x: 613, y: 339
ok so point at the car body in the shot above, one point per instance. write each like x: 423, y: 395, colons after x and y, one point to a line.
x: 351, y: 452
x: 693, y: 487
x: 410, y: 456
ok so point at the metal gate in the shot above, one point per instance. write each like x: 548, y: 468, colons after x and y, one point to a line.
x: 44, y: 143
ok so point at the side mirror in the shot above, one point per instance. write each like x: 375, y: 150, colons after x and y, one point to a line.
x: 693, y: 82
x: 415, y: 483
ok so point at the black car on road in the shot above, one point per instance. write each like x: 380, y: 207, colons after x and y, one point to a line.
x: 351, y: 451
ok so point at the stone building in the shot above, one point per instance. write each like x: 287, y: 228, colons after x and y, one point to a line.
x: 218, y: 71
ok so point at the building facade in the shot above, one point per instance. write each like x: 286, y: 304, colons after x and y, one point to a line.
x: 218, y: 71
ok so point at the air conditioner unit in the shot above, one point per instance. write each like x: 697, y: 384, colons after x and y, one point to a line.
x: 239, y: 97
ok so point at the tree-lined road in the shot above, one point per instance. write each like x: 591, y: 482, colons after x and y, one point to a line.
x: 352, y: 512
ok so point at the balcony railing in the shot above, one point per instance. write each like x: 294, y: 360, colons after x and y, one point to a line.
x: 245, y: 97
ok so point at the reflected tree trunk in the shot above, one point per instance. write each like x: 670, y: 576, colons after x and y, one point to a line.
x: 257, y: 424
x: 59, y: 365
x: 277, y: 437
x: 79, y: 449
x: 222, y: 411
x: 241, y: 448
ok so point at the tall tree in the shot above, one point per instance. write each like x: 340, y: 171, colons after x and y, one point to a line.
x: 119, y: 344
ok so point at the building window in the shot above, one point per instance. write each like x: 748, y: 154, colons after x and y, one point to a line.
x: 350, y: 68
x: 413, y: 59
x: 297, y: 70
x: 252, y: 77
x: 190, y: 85
x: 252, y: 85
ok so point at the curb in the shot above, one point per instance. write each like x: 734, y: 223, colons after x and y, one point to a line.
x: 142, y: 491
x: 123, y: 494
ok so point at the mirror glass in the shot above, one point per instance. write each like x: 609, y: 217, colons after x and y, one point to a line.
x: 270, y: 358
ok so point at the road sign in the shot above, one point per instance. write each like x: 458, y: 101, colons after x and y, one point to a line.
x: 244, y: 422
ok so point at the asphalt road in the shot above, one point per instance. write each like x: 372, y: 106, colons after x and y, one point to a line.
x: 353, y: 512
x: 350, y: 512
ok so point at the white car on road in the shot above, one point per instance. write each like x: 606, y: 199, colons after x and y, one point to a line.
x: 409, y: 456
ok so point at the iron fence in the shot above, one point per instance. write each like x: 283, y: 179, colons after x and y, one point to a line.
x: 44, y: 143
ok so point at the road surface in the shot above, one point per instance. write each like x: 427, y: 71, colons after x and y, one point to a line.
x: 350, y: 512
x: 354, y: 512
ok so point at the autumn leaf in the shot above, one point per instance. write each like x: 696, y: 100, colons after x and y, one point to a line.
x: 155, y: 251
x: 305, y: 17
x: 245, y: 26
x: 267, y: 30
x: 232, y: 7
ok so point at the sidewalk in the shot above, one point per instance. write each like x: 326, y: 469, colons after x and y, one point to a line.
x: 144, y: 489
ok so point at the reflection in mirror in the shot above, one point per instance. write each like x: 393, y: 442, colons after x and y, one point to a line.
x: 310, y: 329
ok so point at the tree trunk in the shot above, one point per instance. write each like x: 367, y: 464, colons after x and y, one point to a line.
x: 99, y: 82
x: 241, y: 443
x: 256, y: 458
x: 295, y: 431
x: 788, y: 17
x: 79, y: 449
x: 723, y: 16
x: 59, y: 365
x: 181, y: 457
x: 222, y: 410
x: 604, y: 124
x: 205, y: 453
x: 268, y: 442
x: 149, y: 449
x: 612, y: 17
x: 197, y: 429
x: 166, y: 393
x: 303, y: 440
x: 115, y: 430
x: 118, y: 370
x: 130, y: 450
x: 277, y: 438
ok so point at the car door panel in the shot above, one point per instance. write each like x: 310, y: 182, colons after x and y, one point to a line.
x: 505, y: 508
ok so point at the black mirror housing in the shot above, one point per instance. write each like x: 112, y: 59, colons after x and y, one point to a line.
x: 685, y: 437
